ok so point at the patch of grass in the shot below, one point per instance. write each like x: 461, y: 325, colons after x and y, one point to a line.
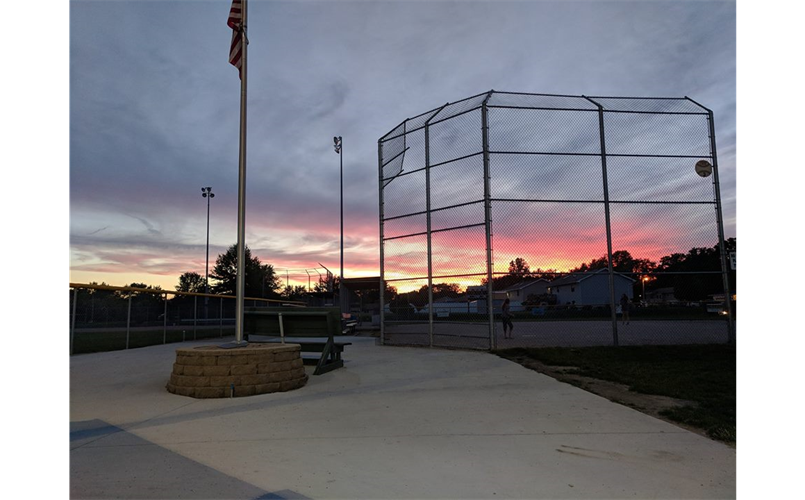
x: 103, y: 341
x: 703, y: 374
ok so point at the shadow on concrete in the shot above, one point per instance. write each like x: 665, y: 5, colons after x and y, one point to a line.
x: 108, y: 462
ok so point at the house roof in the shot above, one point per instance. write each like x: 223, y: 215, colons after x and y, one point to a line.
x: 579, y: 277
x: 525, y: 284
x: 444, y: 300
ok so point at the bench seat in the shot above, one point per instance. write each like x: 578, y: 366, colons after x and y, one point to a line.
x: 313, y: 329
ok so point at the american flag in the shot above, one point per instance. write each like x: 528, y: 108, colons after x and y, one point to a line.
x: 235, y: 22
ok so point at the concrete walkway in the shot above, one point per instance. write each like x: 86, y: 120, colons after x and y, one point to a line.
x: 395, y: 422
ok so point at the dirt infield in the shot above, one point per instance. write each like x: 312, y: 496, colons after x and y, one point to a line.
x: 558, y: 333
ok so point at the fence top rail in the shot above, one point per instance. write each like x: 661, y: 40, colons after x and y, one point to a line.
x: 190, y: 294
x: 287, y: 313
x: 558, y: 102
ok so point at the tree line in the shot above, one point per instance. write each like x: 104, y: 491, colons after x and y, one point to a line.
x: 261, y: 280
x: 693, y: 276
x: 110, y: 306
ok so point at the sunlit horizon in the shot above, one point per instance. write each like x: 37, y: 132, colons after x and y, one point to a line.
x: 309, y: 276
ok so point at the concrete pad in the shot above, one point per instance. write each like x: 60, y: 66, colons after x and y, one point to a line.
x: 395, y: 422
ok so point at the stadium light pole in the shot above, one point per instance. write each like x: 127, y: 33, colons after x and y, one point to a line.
x: 338, y: 145
x: 643, y: 297
x: 206, y: 192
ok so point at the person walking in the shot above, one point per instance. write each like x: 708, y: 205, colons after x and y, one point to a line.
x: 625, y: 309
x: 506, y: 317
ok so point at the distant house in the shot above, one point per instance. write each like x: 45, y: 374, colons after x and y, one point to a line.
x: 590, y: 288
x: 478, y: 293
x: 444, y: 306
x: 518, y: 293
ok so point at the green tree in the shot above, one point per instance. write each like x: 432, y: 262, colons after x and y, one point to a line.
x: 328, y: 283
x: 390, y: 293
x: 547, y: 274
x: 519, y: 270
x: 260, y: 279
x: 103, y: 305
x: 519, y: 267
x: 370, y: 297
x: 191, y: 282
x: 292, y: 292
x: 126, y: 293
x: 270, y: 283
x: 622, y: 262
x: 145, y: 306
x: 696, y: 274
x: 440, y: 290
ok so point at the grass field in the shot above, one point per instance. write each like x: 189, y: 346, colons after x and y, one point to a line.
x: 703, y: 375
x: 115, y: 340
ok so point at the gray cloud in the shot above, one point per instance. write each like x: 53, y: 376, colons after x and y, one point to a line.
x: 154, y: 107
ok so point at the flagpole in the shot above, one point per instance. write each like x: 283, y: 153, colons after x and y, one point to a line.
x: 241, y: 275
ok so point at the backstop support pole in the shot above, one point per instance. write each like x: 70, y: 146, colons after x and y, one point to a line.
x: 490, y: 302
x: 602, y: 138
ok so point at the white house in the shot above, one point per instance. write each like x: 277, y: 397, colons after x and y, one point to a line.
x: 590, y: 288
x: 518, y: 293
x: 446, y: 305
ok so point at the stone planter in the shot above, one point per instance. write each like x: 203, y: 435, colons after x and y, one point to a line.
x: 214, y: 372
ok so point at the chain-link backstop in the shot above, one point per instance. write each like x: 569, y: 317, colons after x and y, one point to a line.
x: 586, y: 212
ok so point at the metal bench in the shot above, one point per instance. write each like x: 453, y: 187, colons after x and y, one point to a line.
x: 313, y: 330
x: 348, y: 324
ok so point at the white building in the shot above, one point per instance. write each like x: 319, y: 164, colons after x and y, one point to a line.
x: 517, y: 294
x: 590, y: 288
x: 445, y: 306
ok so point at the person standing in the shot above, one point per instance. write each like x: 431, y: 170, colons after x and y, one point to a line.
x: 506, y: 317
x: 625, y: 309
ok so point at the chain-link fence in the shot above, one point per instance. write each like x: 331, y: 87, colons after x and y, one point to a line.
x: 298, y: 282
x: 586, y: 213
x: 108, y: 318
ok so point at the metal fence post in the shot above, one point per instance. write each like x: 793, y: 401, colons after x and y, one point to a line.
x: 613, y: 312
x: 195, y: 314
x: 490, y: 302
x: 721, y: 244
x: 428, y: 225
x: 128, y: 320
x: 165, y: 322
x: 382, y: 275
x: 221, y: 317
x: 429, y: 243
x: 72, y: 323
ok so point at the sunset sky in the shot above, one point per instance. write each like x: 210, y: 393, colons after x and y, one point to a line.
x: 154, y: 113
